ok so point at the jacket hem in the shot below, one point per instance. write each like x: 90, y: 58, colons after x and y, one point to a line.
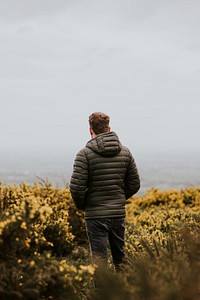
x: 97, y: 216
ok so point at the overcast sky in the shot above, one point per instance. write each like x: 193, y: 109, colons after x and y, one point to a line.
x: 137, y: 60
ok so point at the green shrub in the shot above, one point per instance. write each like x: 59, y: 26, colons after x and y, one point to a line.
x: 44, y: 251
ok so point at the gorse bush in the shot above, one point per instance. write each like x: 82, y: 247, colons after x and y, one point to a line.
x: 34, y: 220
x: 158, y: 272
x: 43, y: 277
x: 44, y: 252
x: 36, y: 238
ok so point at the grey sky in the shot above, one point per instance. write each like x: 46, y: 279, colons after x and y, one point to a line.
x: 138, y: 61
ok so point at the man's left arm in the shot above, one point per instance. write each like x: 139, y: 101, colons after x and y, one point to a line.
x: 79, y: 179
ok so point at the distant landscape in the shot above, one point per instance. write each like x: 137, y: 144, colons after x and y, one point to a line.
x: 163, y: 171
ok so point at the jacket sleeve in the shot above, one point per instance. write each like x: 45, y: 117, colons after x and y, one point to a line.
x: 132, y: 179
x: 79, y: 179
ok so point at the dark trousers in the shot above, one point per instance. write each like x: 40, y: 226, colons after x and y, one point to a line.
x: 103, y: 231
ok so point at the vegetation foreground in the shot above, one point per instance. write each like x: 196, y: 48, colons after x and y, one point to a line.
x: 44, y: 252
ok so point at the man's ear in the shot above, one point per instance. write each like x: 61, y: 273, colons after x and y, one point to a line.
x: 109, y: 129
x: 91, y: 131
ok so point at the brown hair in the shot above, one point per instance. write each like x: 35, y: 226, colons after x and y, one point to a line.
x: 99, y: 122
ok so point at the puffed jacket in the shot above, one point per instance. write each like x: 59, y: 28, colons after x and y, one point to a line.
x: 104, y: 177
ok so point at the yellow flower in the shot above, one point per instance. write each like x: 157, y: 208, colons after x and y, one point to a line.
x: 61, y: 269
x: 78, y: 278
x: 32, y: 263
x: 23, y: 225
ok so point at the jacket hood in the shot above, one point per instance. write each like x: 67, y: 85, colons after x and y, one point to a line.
x: 105, y: 144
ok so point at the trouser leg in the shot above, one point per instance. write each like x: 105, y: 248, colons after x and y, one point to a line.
x: 117, y: 241
x: 98, y: 239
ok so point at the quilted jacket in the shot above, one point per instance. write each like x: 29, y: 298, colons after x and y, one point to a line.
x: 104, y: 177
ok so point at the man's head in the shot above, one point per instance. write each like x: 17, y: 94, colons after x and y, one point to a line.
x: 99, y: 123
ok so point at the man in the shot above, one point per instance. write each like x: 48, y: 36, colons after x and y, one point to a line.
x: 104, y: 177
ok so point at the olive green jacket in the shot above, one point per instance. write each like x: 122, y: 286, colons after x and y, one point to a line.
x: 104, y: 176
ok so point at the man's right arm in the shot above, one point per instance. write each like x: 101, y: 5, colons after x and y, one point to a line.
x: 132, y: 180
x: 79, y: 178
